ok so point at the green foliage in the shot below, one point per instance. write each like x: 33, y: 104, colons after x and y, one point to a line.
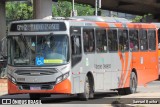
x: 24, y: 10
x: 63, y: 9
x: 142, y: 18
x: 18, y: 11
x: 137, y: 19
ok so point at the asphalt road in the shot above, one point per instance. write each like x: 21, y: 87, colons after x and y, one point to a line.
x: 100, y: 98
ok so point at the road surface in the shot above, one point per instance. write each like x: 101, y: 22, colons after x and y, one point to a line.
x: 105, y: 99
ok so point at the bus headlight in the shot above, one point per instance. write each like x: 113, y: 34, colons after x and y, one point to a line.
x: 65, y: 75
x: 62, y: 77
x: 59, y: 79
x: 12, y: 79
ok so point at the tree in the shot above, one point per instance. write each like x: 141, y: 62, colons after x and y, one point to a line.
x: 24, y: 10
x: 63, y: 9
x: 142, y: 18
x: 18, y: 11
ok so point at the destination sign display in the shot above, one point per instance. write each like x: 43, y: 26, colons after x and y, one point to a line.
x: 38, y: 27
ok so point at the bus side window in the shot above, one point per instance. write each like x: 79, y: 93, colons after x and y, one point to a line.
x: 76, y: 45
x: 88, y: 40
x: 76, y: 50
x: 143, y: 40
x: 152, y: 39
x: 101, y: 40
x: 123, y: 40
x: 133, y: 38
x: 112, y: 40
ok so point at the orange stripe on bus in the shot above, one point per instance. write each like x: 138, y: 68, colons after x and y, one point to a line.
x: 132, y: 25
x: 118, y: 25
x: 102, y: 24
x: 158, y: 52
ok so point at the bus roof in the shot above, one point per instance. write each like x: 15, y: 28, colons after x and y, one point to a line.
x: 103, y: 19
x: 98, y: 21
x: 157, y: 24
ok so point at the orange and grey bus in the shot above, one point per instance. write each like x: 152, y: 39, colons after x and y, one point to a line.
x: 80, y: 56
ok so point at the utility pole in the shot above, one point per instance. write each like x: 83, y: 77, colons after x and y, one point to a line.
x: 97, y: 6
x: 74, y: 12
x: 72, y: 5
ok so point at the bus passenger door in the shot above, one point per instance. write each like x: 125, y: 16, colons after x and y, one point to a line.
x: 144, y: 60
x: 152, y: 55
x: 76, y: 57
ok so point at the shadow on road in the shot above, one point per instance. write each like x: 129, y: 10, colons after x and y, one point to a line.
x: 99, y: 98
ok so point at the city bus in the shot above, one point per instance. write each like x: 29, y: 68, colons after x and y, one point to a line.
x: 80, y: 56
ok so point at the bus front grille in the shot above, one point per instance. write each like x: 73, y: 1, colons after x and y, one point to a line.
x: 36, y: 86
x: 36, y: 72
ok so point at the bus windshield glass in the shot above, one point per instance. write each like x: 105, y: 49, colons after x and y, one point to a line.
x: 39, y: 50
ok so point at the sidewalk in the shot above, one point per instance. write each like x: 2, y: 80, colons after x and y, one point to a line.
x: 3, y: 87
x: 145, y: 96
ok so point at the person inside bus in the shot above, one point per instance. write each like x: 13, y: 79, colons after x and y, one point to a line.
x: 86, y: 41
x: 91, y: 43
x: 88, y: 46
x: 44, y: 49
x: 131, y: 45
x: 136, y: 47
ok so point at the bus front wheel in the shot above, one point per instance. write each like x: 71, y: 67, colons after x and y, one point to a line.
x: 87, y: 90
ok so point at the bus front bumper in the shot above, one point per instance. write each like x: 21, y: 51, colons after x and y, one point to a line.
x: 63, y: 87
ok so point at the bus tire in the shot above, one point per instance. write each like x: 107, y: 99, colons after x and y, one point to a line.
x: 133, y: 84
x: 85, y: 96
x: 34, y: 96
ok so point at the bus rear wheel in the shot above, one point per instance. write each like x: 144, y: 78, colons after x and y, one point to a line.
x: 88, y: 93
x: 133, y: 84
x: 132, y: 88
x: 34, y: 96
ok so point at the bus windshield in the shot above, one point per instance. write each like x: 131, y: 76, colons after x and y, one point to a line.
x: 39, y: 50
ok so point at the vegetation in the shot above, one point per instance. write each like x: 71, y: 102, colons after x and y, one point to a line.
x: 18, y: 11
x: 24, y: 10
x: 63, y: 8
x: 142, y: 18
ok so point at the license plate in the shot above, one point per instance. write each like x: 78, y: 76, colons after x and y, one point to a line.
x: 35, y: 88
